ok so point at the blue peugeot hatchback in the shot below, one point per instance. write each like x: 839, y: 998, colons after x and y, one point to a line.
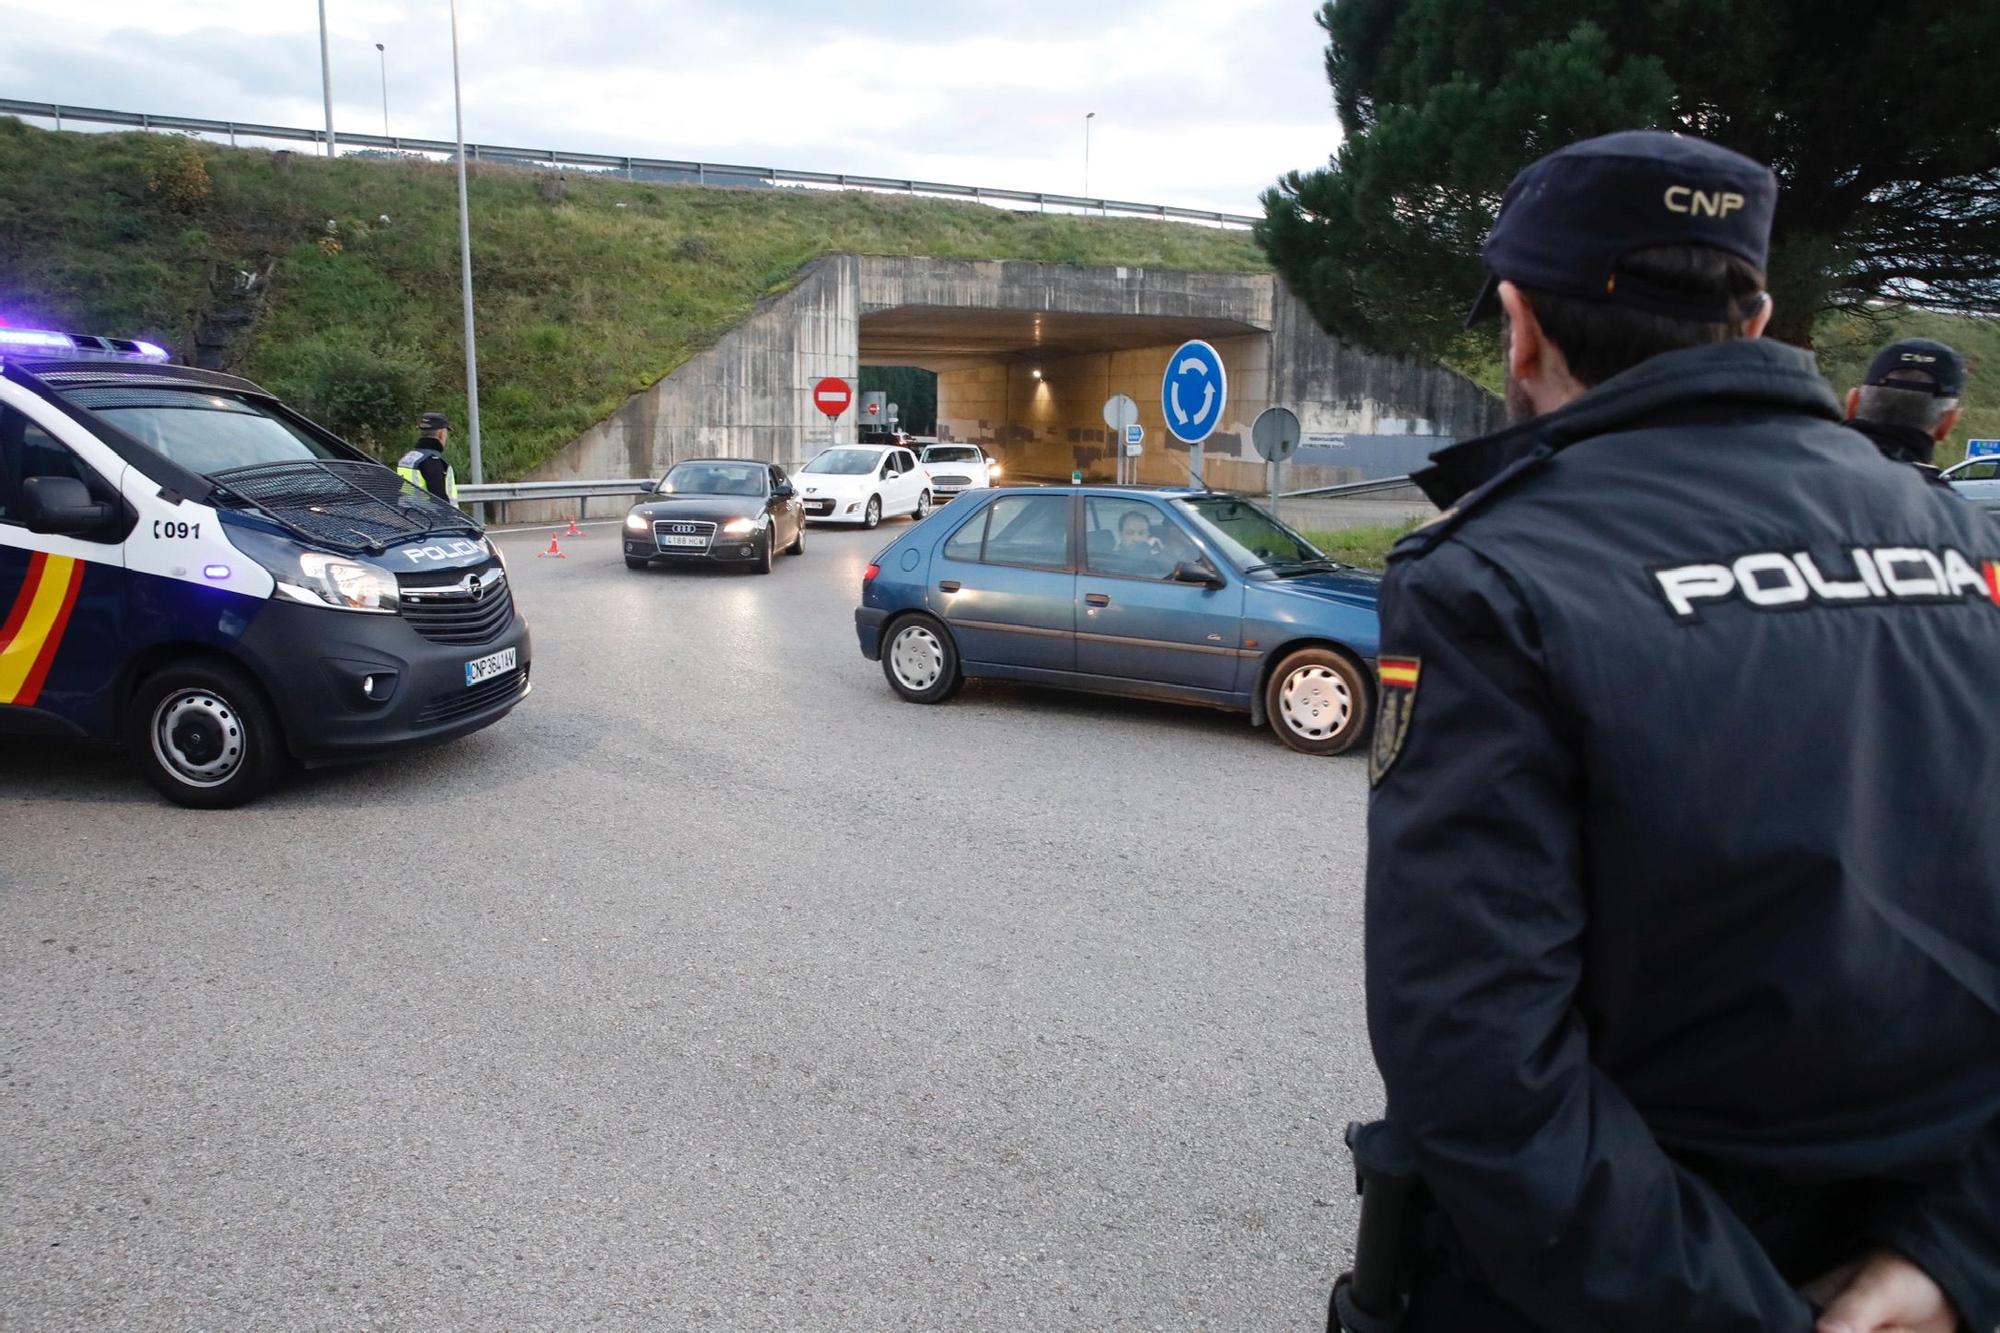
x: 1193, y: 596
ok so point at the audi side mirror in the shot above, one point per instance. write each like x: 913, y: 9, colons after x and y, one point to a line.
x: 1187, y: 571
x: 62, y: 507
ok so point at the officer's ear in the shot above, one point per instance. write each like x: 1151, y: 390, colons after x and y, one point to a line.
x: 1945, y: 423
x: 1853, y: 403
x: 1754, y: 326
x: 1526, y: 347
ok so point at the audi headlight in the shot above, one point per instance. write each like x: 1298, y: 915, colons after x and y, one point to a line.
x: 328, y: 580
x: 738, y: 527
x: 635, y: 522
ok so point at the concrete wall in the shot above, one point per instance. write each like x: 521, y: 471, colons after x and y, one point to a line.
x: 891, y: 282
x: 746, y: 397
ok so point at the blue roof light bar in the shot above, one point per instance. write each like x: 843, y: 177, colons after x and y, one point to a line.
x: 77, y: 346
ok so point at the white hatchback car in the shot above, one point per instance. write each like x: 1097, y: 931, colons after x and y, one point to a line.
x: 957, y: 467
x: 864, y: 483
x: 1978, y: 480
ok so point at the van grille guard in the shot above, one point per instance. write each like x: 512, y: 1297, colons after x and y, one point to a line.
x: 350, y: 506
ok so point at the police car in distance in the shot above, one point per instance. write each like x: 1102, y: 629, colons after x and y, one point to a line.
x: 1978, y: 480
x: 191, y: 568
x: 957, y: 468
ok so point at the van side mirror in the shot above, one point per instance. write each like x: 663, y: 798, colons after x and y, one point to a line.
x: 1187, y: 571
x: 62, y: 507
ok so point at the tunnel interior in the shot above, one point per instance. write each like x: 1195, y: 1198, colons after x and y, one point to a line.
x: 1031, y: 385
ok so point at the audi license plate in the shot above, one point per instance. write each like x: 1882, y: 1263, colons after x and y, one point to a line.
x: 678, y: 539
x: 495, y: 664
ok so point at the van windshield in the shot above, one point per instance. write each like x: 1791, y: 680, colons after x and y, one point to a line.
x: 205, y: 433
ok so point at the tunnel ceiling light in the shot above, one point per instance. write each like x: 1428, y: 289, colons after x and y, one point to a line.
x: 1036, y: 372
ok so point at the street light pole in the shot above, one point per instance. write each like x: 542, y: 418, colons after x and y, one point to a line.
x: 465, y: 269
x: 385, y: 88
x: 1087, y: 118
x: 326, y: 78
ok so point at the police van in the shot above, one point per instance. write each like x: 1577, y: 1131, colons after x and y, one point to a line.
x: 192, y: 569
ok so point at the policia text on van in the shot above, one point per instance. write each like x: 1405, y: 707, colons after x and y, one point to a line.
x: 191, y: 568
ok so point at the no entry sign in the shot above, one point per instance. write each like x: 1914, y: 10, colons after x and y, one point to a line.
x: 832, y: 396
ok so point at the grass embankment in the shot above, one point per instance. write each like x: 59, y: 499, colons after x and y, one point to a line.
x: 1365, y: 547
x: 582, y: 298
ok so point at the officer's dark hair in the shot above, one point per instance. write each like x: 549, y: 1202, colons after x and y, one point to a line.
x: 1600, y: 339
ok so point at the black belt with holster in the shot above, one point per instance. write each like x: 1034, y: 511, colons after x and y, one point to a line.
x: 1375, y: 1295
x: 1807, y: 1229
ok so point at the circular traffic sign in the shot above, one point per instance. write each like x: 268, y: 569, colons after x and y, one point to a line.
x: 1194, y: 391
x: 1275, y: 434
x: 833, y: 396
x: 1120, y: 411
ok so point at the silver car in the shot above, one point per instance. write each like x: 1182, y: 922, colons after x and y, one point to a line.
x: 1978, y: 480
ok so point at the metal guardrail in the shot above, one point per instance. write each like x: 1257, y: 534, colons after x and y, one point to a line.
x: 583, y: 492
x: 500, y: 493
x: 719, y: 173
x: 1349, y: 488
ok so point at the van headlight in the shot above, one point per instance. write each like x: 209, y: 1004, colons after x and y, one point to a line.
x: 328, y: 580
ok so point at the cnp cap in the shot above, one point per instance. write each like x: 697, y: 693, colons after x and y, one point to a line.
x: 433, y: 421
x: 1919, y: 364
x: 1569, y: 219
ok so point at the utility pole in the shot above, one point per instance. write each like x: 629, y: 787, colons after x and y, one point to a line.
x: 465, y: 268
x: 385, y: 88
x: 326, y: 78
x: 1087, y: 118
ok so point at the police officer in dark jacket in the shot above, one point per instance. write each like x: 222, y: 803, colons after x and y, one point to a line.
x: 426, y: 465
x: 1908, y: 401
x: 1683, y: 907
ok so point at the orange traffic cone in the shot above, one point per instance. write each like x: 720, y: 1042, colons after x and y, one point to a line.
x: 574, y: 531
x: 554, y: 550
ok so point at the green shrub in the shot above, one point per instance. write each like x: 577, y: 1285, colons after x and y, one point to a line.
x: 367, y: 396
x: 176, y: 178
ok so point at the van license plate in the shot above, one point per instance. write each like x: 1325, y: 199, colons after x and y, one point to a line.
x: 486, y: 668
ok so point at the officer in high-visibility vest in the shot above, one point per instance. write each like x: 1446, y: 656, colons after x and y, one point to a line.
x: 425, y: 465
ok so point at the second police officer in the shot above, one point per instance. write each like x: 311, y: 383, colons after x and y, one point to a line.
x: 425, y: 465
x: 1907, y: 403
x: 1683, y: 907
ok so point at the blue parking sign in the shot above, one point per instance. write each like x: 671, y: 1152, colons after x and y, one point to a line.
x: 1194, y: 391
x: 1981, y: 448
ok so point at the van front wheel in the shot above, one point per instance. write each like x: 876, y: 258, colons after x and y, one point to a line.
x: 203, y: 735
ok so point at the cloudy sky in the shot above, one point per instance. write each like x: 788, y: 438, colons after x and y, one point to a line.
x: 1199, y: 102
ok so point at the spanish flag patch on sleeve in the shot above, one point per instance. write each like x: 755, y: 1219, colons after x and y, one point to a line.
x: 1392, y: 723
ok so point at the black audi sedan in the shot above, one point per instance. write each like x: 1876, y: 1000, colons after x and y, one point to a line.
x: 717, y: 509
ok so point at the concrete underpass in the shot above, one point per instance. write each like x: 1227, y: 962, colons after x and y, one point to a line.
x: 1025, y: 355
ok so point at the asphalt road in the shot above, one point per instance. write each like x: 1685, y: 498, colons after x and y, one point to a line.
x: 714, y: 988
